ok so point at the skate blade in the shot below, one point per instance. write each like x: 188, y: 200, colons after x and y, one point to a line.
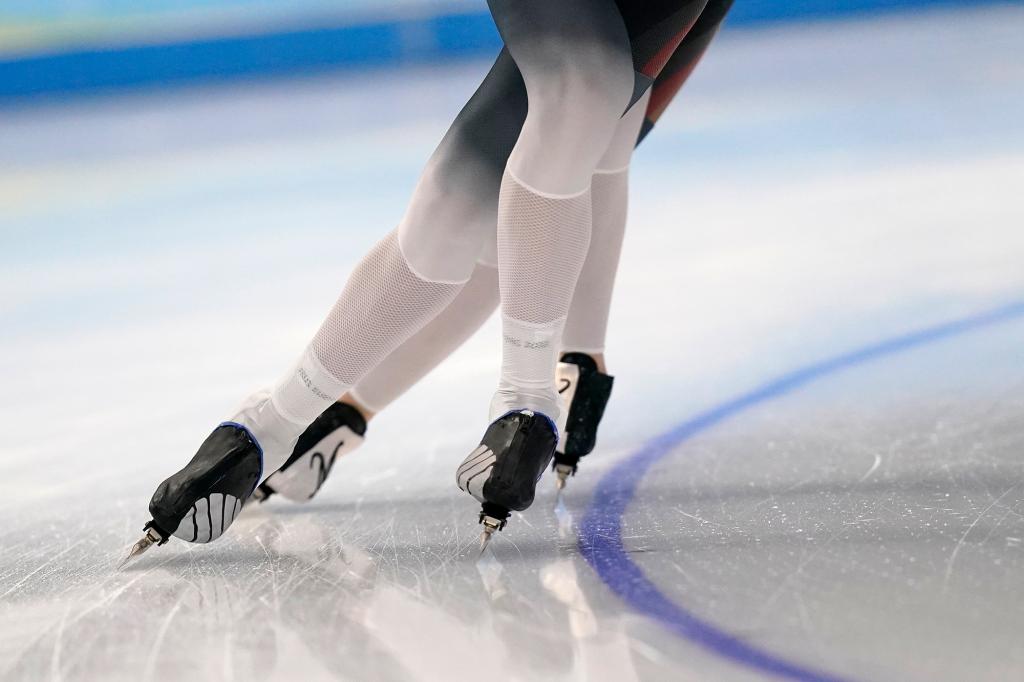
x: 137, y: 549
x: 491, y: 526
x: 152, y: 537
x: 485, y: 539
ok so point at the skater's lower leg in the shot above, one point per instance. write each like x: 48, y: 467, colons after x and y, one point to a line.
x: 415, y: 358
x: 587, y: 322
x: 577, y: 66
x: 384, y: 302
x: 406, y: 280
x: 579, y: 78
x: 341, y: 429
x: 412, y: 274
x: 582, y: 373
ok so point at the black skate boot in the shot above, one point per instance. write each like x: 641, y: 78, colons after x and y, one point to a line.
x: 502, y: 472
x: 198, y: 503
x: 338, y: 431
x: 585, y: 391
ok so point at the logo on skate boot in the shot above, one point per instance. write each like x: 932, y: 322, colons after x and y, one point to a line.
x: 474, y: 470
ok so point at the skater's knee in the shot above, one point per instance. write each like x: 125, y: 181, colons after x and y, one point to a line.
x: 619, y: 152
x: 448, y: 222
x: 574, y: 109
x: 451, y: 218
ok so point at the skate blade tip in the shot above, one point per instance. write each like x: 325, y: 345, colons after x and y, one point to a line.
x: 485, y: 540
x: 136, y: 550
x: 125, y: 561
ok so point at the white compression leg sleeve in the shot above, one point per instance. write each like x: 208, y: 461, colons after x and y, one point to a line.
x: 542, y: 242
x: 411, y: 361
x: 384, y: 303
x: 587, y: 323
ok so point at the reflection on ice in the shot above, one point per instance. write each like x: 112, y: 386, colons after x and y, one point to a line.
x: 491, y: 574
x: 289, y: 594
x: 564, y: 516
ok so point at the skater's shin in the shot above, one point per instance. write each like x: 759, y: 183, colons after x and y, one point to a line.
x: 542, y: 242
x: 588, y: 316
x: 587, y: 322
x: 411, y: 361
x: 383, y: 303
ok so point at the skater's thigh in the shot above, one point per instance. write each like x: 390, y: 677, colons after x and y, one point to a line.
x: 553, y: 42
x: 452, y: 217
x: 683, y: 61
x: 656, y: 28
x: 479, y: 141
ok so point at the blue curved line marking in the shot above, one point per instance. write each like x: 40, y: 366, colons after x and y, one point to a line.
x: 600, y: 531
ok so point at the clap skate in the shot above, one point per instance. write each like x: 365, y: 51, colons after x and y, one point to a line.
x: 200, y: 502
x: 502, y: 472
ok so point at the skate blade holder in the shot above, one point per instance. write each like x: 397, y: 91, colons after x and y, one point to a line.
x: 493, y: 517
x: 491, y: 524
x: 563, y: 472
x: 155, y: 534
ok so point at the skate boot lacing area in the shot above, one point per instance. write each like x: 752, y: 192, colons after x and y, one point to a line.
x: 200, y: 502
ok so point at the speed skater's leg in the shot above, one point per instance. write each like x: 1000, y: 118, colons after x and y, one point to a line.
x: 342, y: 427
x: 580, y: 376
x: 411, y: 361
x: 580, y: 373
x: 576, y: 62
x: 409, y: 277
x: 582, y: 382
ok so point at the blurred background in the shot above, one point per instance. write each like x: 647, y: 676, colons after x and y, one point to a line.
x: 59, y: 47
x: 185, y: 185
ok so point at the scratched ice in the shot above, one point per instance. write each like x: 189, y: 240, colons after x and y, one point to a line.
x: 174, y: 251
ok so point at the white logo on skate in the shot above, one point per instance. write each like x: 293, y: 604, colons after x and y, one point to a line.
x: 208, y: 518
x: 475, y: 470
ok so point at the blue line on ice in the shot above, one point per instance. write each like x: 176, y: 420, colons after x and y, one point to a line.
x: 600, y: 532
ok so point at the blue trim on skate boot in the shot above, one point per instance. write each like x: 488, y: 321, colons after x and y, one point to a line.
x: 259, y: 447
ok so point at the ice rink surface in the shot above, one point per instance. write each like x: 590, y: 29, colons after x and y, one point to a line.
x: 818, y: 322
